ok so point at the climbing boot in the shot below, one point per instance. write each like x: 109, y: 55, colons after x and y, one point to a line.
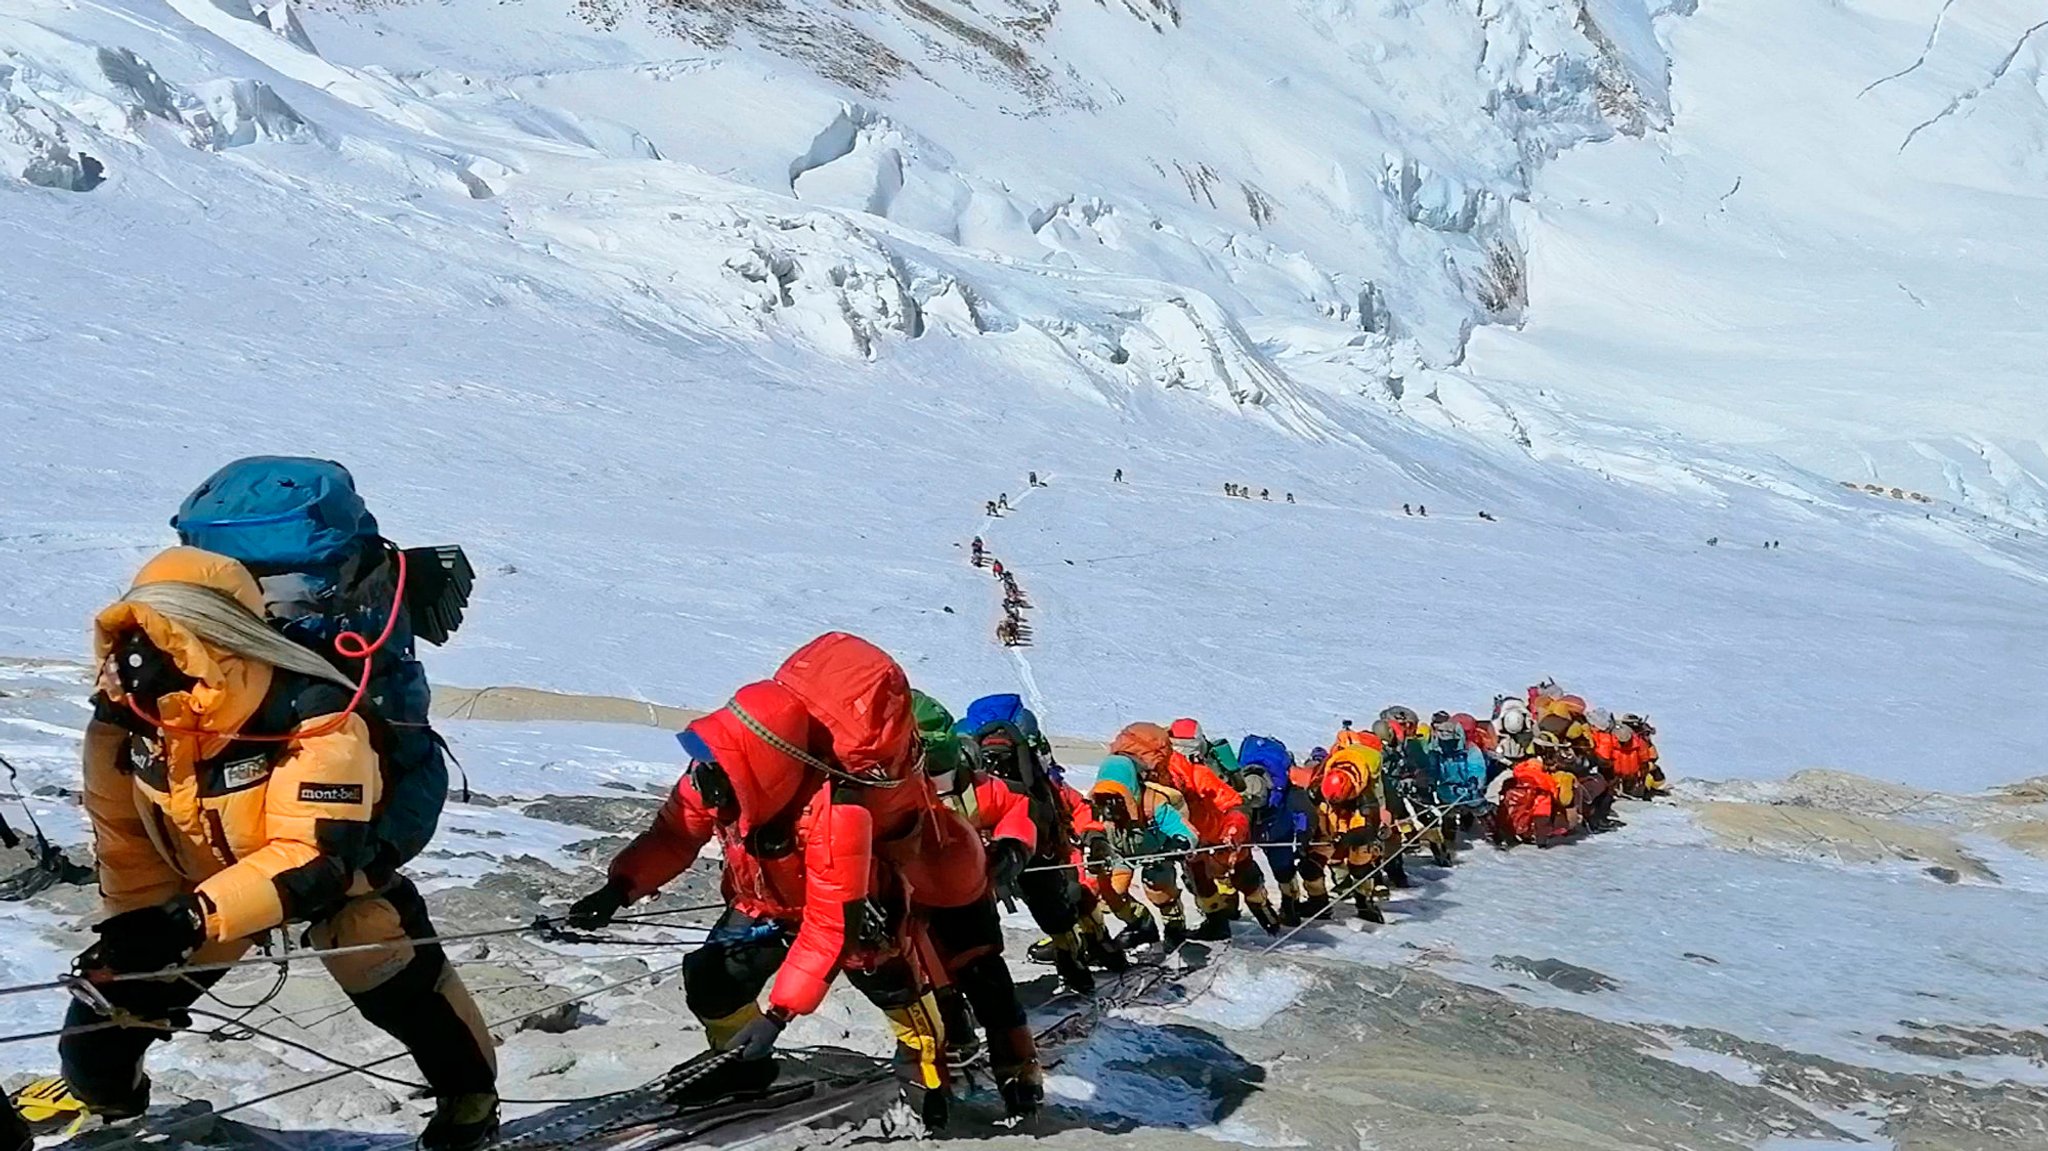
x: 50, y: 1107
x: 963, y: 1038
x: 1368, y: 909
x: 1264, y: 914
x: 1073, y: 972
x: 1138, y: 934
x: 1023, y: 1096
x: 1213, y: 928
x: 1099, y: 950
x: 462, y: 1123
x: 14, y: 1132
x: 1290, y: 911
x: 1397, y: 871
x: 1041, y: 951
x: 1314, y: 906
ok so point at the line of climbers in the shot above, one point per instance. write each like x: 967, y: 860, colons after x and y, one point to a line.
x: 1014, y: 629
x: 1556, y: 766
x: 239, y: 781
x: 1244, y: 492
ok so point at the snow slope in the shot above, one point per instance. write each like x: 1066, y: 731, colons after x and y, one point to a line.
x: 704, y: 339
x: 1831, y: 258
x: 707, y: 326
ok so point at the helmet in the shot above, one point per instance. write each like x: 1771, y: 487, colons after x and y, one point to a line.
x: 1187, y: 737
x: 1599, y: 718
x: 1624, y: 734
x: 1318, y: 755
x: 1340, y: 786
x: 1548, y: 743
x: 1514, y: 718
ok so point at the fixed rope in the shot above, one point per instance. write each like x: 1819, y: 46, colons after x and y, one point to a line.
x: 80, y: 986
x: 137, y: 1139
x: 1436, y: 813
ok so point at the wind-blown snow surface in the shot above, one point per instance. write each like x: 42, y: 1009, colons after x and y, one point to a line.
x: 1833, y: 257
x: 706, y: 332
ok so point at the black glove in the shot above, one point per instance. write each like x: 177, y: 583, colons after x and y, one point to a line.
x: 597, y: 908
x: 1357, y: 839
x: 383, y: 864
x: 757, y: 1039
x: 146, y: 939
x: 1095, y: 846
x: 1006, y: 865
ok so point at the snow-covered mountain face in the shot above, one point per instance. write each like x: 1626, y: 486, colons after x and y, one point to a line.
x: 709, y: 326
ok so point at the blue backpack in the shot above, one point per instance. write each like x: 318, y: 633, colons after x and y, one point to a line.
x: 302, y: 530
x: 1270, y: 757
x: 1267, y: 752
x: 1006, y: 708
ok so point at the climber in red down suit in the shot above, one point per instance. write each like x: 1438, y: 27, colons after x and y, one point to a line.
x: 838, y: 858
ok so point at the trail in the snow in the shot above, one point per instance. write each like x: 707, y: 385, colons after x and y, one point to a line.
x: 1933, y: 35
x: 1025, y: 679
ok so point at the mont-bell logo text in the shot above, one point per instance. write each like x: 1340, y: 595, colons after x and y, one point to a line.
x: 330, y: 793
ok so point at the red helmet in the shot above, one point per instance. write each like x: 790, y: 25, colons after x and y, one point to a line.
x: 1340, y: 785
